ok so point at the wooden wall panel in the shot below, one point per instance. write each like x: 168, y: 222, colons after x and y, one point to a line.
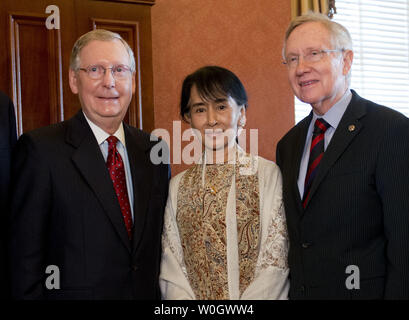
x: 35, y: 55
x: 129, y: 31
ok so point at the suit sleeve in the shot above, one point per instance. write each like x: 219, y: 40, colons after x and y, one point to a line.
x: 30, y: 207
x: 165, y: 178
x: 8, y: 139
x: 7, y: 142
x: 392, y: 182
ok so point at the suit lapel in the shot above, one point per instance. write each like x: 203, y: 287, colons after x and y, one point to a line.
x: 90, y: 162
x: 141, y: 170
x: 347, y: 130
x: 299, y: 149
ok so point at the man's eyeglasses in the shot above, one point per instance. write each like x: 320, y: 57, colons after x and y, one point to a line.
x: 313, y: 56
x: 97, y: 72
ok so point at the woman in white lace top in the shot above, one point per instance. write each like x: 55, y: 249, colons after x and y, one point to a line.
x: 224, y: 234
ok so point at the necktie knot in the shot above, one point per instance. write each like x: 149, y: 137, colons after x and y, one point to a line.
x: 320, y: 126
x: 112, y: 140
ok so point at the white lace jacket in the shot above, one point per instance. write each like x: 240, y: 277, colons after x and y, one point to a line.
x: 271, y: 272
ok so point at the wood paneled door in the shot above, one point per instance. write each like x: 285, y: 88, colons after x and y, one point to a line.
x: 34, y: 60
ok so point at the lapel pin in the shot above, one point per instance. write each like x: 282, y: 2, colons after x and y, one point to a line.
x: 351, y: 127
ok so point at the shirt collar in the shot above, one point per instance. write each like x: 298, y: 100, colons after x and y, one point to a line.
x: 101, y: 135
x: 334, y: 114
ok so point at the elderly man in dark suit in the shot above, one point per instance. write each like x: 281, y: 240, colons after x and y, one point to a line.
x: 345, y: 176
x: 88, y: 202
x: 8, y: 138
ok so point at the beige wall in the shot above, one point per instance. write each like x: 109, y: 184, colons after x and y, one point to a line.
x: 244, y: 36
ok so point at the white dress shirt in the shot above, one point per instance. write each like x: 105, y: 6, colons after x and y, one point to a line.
x: 333, y: 117
x: 101, y: 137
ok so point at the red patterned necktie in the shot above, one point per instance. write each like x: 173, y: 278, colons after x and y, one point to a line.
x: 116, y: 170
x: 316, y: 154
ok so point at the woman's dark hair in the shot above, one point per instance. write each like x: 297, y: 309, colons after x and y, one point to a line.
x: 212, y: 83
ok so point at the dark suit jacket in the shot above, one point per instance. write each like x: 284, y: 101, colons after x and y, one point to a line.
x: 358, y: 212
x: 65, y: 213
x: 8, y: 138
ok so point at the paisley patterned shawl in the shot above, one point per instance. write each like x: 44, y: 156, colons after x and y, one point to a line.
x: 201, y: 219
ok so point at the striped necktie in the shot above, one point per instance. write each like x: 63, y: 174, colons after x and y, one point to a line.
x: 316, y: 154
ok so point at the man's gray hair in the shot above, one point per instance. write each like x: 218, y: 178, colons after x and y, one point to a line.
x: 100, y: 35
x: 341, y: 39
x: 340, y: 36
